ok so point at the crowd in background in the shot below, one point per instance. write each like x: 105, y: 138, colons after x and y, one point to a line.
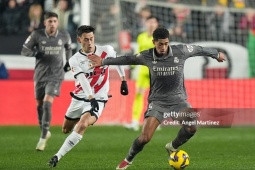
x: 187, y: 21
x: 185, y: 24
x: 24, y: 16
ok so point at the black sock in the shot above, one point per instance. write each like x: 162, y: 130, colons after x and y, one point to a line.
x: 39, y: 115
x: 182, y: 137
x: 46, y: 118
x: 134, y: 150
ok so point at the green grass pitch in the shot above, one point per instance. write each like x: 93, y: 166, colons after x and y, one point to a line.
x: 103, y: 147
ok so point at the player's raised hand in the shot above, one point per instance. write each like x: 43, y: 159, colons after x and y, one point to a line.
x: 96, y: 60
x: 222, y: 57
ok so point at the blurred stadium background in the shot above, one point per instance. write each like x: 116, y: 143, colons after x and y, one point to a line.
x: 226, y: 91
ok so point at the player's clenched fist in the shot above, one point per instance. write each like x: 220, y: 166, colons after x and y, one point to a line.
x: 94, y: 105
x: 124, y: 88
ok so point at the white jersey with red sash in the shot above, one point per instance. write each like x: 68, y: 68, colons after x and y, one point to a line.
x: 98, y: 77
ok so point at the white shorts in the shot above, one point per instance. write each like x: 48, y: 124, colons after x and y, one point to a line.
x: 77, y: 108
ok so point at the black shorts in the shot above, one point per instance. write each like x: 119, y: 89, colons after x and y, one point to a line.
x: 51, y: 88
x: 162, y: 113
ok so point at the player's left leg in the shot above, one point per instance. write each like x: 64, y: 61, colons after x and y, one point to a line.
x: 149, y: 127
x: 188, y: 129
x: 73, y: 115
x: 68, y: 125
x: 39, y: 95
x: 39, y: 108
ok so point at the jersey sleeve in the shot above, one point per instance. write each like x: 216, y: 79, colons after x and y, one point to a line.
x: 120, y: 69
x: 136, y: 59
x: 75, y: 68
x: 29, y: 44
x: 194, y: 50
x: 68, y: 49
x: 80, y: 76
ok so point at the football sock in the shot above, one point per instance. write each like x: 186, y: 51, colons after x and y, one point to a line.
x: 134, y: 150
x: 182, y: 137
x: 137, y: 107
x: 46, y: 118
x: 39, y: 115
x: 69, y: 143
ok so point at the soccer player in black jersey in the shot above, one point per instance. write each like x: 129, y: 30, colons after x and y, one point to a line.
x: 48, y: 46
x: 167, y: 94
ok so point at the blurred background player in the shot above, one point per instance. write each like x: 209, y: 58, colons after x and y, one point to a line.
x: 144, y: 41
x: 47, y: 45
x: 92, y: 84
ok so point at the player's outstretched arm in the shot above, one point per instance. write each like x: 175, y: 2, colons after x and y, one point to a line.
x: 121, y: 60
x: 221, y: 57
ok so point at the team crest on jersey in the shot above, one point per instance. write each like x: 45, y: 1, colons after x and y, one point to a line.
x: 60, y: 42
x: 176, y: 60
x: 90, y: 65
x: 190, y: 48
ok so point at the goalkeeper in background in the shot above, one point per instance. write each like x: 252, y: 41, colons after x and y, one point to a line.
x: 47, y: 46
x: 144, y: 41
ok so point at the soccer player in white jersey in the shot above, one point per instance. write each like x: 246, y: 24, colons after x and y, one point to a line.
x: 92, y: 84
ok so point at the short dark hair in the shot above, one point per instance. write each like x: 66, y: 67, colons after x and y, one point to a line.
x: 49, y: 15
x: 84, y: 29
x: 152, y: 17
x: 160, y: 33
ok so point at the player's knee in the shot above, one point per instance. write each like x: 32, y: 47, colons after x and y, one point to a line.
x: 47, y: 106
x: 82, y: 126
x: 66, y: 130
x: 143, y: 139
x: 191, y: 129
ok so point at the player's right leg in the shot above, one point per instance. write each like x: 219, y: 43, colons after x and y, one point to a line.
x: 149, y: 127
x: 73, y: 139
x: 40, y: 94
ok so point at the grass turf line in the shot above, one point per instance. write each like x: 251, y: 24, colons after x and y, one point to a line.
x: 103, y: 147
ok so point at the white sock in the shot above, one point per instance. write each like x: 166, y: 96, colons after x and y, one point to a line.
x: 42, y: 140
x: 69, y: 143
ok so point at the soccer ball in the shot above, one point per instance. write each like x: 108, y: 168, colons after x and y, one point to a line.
x: 179, y: 160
